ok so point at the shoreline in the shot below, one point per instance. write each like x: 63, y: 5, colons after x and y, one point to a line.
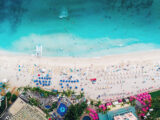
x: 116, y: 76
x: 108, y: 59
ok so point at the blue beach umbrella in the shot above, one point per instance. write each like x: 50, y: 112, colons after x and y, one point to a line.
x: 77, y: 80
x: 40, y: 82
x: 67, y: 84
x: 70, y: 77
x: 76, y: 87
x: 62, y: 87
x: 70, y: 87
x: 60, y: 80
x: 63, y: 80
x: 81, y: 89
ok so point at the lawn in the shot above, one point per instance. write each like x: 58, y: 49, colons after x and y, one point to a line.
x: 155, y: 94
x: 155, y: 105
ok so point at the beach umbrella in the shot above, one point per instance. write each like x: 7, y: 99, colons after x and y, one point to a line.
x: 67, y: 84
x: 70, y: 87
x: 77, y: 80
x: 61, y: 86
x: 81, y: 89
x: 76, y: 87
x: 60, y: 80
x: 42, y: 70
x: 70, y: 77
x: 5, y: 80
x: 63, y: 80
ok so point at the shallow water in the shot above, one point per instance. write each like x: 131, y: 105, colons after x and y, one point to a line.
x: 80, y: 28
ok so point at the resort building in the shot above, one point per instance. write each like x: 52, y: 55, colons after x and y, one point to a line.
x: 23, y: 111
x: 127, y: 116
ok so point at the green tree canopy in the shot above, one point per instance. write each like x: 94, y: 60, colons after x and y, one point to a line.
x: 8, y: 95
x: 13, y: 98
x: 75, y: 111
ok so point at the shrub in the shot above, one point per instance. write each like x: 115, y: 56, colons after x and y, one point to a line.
x: 13, y: 98
x: 8, y: 95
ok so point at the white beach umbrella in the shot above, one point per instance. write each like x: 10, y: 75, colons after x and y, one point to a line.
x: 42, y: 70
x: 5, y: 80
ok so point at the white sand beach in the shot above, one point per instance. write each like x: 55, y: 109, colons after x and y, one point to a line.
x: 117, y: 76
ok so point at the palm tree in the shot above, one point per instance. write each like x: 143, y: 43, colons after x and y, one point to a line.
x: 19, y: 89
x: 108, y: 109
x: 122, y: 104
x: 63, y: 93
x: 99, y: 102
x: 73, y: 92
x: 68, y: 93
x: 25, y: 89
x: 5, y: 86
x: 81, y: 94
x: 92, y: 102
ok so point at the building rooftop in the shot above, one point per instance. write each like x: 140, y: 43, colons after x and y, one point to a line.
x: 127, y: 116
x: 23, y: 111
x: 17, y: 106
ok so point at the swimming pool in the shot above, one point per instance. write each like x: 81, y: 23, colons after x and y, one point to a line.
x: 88, y: 28
x: 110, y: 115
x: 86, y: 118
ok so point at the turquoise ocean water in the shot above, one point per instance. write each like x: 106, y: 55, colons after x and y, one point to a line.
x: 79, y: 28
